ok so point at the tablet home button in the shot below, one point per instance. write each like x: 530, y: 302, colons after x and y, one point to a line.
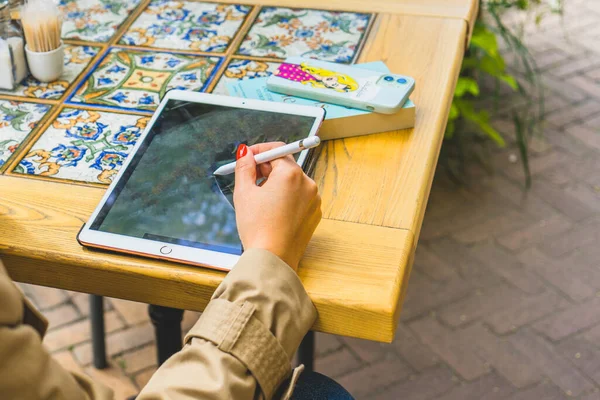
x: 166, y: 250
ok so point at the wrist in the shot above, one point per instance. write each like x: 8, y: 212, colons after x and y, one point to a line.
x: 284, y: 256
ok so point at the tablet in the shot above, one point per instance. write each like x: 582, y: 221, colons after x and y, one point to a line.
x: 165, y: 201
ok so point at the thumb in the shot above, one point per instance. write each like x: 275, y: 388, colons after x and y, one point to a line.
x: 245, y: 167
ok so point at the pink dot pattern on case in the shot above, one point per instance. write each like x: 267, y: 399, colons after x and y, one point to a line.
x: 293, y: 72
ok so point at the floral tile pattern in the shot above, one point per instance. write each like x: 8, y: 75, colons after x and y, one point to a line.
x: 17, y: 120
x: 77, y: 59
x: 84, y: 145
x: 326, y: 35
x: 139, y: 79
x: 238, y: 70
x: 94, y: 20
x: 186, y: 25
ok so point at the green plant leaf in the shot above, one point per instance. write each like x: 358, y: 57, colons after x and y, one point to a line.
x: 454, y: 112
x: 466, y: 85
x: 481, y: 119
x: 485, y: 40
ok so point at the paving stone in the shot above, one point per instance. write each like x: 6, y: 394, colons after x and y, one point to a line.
x: 424, y: 294
x: 45, y: 297
x: 579, y: 236
x: 492, y: 227
x: 593, y: 395
x: 507, y: 266
x: 375, y: 377
x: 529, y: 309
x: 450, y: 347
x: 560, y: 275
x: 480, y: 303
x: 432, y: 265
x: 585, y: 134
x: 574, y: 113
x: 326, y: 343
x: 469, y: 268
x: 543, y: 391
x: 584, y: 355
x: 535, y: 233
x: 189, y: 320
x: 132, y: 312
x: 337, y: 363
x: 563, y: 201
x: 78, y: 332
x: 575, y: 66
x: 82, y: 302
x: 142, y: 378
x: 431, y: 383
x: 415, y: 353
x: 67, y: 361
x: 584, y: 85
x: 502, y: 355
x: 118, y: 342
x: 565, y: 89
x: 112, y: 377
x: 138, y: 360
x: 61, y: 315
x: 562, y: 373
x: 571, y: 320
x: 368, y: 350
x: 489, y: 387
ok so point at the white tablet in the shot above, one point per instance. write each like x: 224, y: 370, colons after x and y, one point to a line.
x: 165, y: 202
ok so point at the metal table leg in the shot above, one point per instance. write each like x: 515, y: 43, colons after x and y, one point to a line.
x: 167, y: 328
x: 306, y: 351
x: 97, y: 322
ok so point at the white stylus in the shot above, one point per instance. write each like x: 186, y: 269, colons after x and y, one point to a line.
x: 274, y: 154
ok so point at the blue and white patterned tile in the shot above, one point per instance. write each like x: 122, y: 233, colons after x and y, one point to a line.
x: 139, y: 79
x: 84, y: 145
x: 238, y: 70
x: 94, y: 20
x: 325, y: 35
x: 77, y: 58
x: 186, y: 25
x: 17, y: 120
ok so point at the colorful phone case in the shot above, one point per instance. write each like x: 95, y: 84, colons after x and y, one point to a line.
x: 341, y: 84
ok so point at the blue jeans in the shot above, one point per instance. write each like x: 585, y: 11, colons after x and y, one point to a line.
x: 315, y: 386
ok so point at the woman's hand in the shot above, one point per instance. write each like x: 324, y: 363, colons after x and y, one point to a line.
x: 282, y: 213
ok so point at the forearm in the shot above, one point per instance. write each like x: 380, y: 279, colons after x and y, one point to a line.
x: 242, y: 345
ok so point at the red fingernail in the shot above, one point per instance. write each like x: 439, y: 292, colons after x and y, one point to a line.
x: 241, y: 151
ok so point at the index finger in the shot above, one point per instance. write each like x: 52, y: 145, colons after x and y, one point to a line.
x: 262, y: 147
x: 265, y: 168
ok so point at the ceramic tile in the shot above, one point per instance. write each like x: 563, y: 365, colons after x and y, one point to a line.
x: 84, y: 145
x: 186, y: 25
x: 139, y: 79
x: 238, y: 70
x: 94, y: 20
x: 17, y: 120
x: 326, y: 35
x: 77, y: 59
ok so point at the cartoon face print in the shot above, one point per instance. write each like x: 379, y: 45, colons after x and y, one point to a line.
x: 333, y: 83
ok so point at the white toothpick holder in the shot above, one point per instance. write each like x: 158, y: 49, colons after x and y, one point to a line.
x: 47, y: 66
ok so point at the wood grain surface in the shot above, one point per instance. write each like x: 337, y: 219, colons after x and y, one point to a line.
x: 374, y: 191
x: 351, y: 271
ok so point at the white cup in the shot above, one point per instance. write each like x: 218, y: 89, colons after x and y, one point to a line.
x: 48, y: 66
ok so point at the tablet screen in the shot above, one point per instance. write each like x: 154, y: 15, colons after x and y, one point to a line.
x: 168, y: 192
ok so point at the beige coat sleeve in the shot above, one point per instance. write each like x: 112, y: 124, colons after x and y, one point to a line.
x: 243, y: 344
x: 27, y: 371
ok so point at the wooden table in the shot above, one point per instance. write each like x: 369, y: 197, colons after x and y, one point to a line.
x: 374, y: 189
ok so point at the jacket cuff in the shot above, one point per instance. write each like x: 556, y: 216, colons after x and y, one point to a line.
x: 235, y: 330
x: 277, y: 294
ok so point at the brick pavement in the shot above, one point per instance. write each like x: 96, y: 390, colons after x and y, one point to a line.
x: 504, y: 299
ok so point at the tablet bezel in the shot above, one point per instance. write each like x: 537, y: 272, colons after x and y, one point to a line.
x: 179, y: 253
